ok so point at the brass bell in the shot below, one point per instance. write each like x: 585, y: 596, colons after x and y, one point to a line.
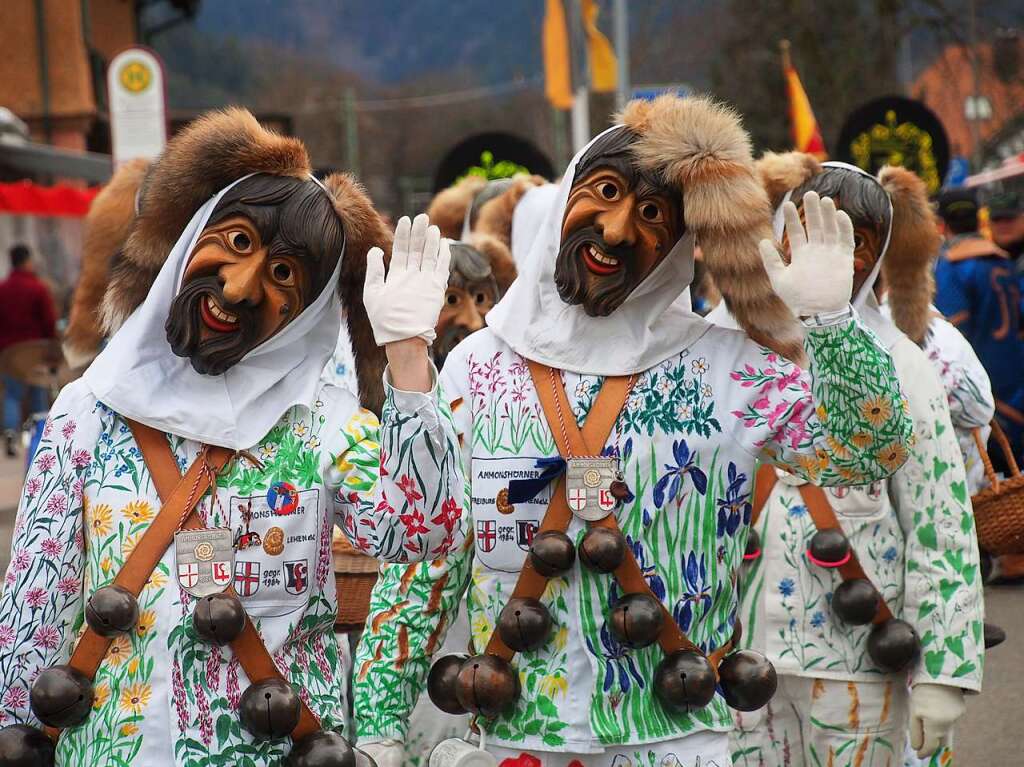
x: 487, y: 685
x: 323, y: 749
x: 25, y: 746
x: 747, y: 680
x: 219, y: 618
x: 829, y: 548
x: 552, y: 553
x: 112, y: 610
x: 524, y: 624
x: 442, y: 683
x: 636, y: 620
x: 602, y: 549
x: 684, y: 681
x: 893, y: 645
x: 61, y: 697
x: 753, y: 549
x: 269, y: 709
x: 855, y: 602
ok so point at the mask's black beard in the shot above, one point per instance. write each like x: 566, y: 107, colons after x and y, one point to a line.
x: 220, y: 352
x: 453, y: 335
x: 599, y: 295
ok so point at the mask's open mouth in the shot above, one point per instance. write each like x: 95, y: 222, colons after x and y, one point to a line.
x: 215, y: 317
x: 597, y: 261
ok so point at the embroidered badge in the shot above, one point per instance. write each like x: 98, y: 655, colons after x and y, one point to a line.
x: 273, y: 541
x: 588, y: 487
x: 283, y: 498
x: 204, y: 559
x: 296, y: 576
x: 247, y: 578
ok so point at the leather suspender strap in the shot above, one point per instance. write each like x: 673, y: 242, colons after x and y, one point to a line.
x: 248, y: 647
x: 764, y: 483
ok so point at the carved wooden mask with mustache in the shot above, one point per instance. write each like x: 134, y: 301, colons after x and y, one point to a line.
x: 619, y: 223
x: 267, y: 252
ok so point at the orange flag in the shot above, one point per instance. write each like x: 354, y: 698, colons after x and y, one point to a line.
x: 557, y: 72
x: 806, y: 133
x: 603, y: 67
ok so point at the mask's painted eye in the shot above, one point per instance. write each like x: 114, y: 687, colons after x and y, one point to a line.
x: 651, y: 213
x: 608, y: 190
x: 282, y: 273
x: 480, y: 298
x: 451, y: 298
x: 240, y: 241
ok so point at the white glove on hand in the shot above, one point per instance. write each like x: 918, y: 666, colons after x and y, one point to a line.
x: 819, y: 277
x: 407, y: 302
x: 386, y: 753
x: 934, y: 709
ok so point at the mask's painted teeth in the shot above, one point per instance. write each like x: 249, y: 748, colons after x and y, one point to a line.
x: 219, y: 313
x: 601, y: 258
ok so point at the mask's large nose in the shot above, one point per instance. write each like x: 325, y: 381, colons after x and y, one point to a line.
x: 615, y: 225
x: 241, y: 281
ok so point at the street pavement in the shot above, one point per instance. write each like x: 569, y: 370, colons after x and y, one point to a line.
x: 987, y: 735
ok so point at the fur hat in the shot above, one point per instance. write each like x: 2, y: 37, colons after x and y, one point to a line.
x: 499, y: 256
x: 448, y: 208
x: 913, y: 244
x: 207, y: 155
x: 107, y: 226
x: 495, y: 216
x: 782, y: 171
x: 700, y: 146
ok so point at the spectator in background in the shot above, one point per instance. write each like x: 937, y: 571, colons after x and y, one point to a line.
x: 978, y: 291
x: 1006, y: 219
x: 26, y: 314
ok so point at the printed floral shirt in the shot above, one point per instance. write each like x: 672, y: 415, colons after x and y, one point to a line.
x: 162, y: 695
x: 688, y: 440
x: 914, y: 536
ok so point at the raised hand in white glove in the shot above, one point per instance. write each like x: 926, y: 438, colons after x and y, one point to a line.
x: 934, y: 709
x: 819, y: 277
x: 406, y: 303
x: 386, y: 753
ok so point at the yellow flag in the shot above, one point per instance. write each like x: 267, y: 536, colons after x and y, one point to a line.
x: 603, y: 71
x: 557, y: 73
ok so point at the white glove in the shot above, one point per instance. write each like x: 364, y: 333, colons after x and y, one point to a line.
x: 386, y: 753
x: 934, y: 709
x: 407, y: 303
x: 819, y: 277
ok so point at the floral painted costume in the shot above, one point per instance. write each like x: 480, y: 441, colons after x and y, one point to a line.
x: 688, y: 440
x: 164, y: 696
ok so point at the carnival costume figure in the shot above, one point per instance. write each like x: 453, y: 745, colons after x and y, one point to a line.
x: 600, y: 562
x: 867, y: 599
x: 170, y: 600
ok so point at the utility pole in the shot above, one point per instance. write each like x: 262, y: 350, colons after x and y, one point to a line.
x: 975, y: 113
x: 621, y: 20
x: 580, y: 76
x: 351, y: 131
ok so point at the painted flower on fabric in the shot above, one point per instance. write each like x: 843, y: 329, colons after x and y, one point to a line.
x: 101, y: 693
x: 408, y: 486
x: 889, y: 555
x: 33, y: 486
x: 619, y: 666
x: 413, y: 522
x: 146, y: 622
x: 80, y: 459
x: 449, y: 515
x: 654, y: 581
x: 127, y: 730
x: 699, y: 366
x: 45, y: 462
x: 300, y: 430
x: 523, y: 760
x: 797, y: 510
x: 22, y: 559
x: 735, y: 506
x: 892, y: 456
x: 876, y: 410
x: 68, y: 429
x: 138, y: 511
x: 119, y: 651
x: 818, y: 619
x: 51, y: 548
x: 670, y: 486
x: 36, y: 598
x: 267, y: 452
x: 46, y: 637
x: 57, y: 504
x: 6, y: 635
x: 100, y: 518
x: 16, y: 697
x: 135, y: 698
x: 787, y: 586
x: 696, y: 593
x: 68, y: 586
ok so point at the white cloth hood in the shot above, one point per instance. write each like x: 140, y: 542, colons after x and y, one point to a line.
x: 655, y: 321
x: 527, y: 219
x: 139, y: 377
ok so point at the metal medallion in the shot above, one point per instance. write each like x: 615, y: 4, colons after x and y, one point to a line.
x: 205, y: 560
x: 588, y: 484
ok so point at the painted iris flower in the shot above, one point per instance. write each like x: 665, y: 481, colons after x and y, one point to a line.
x: 618, y: 663
x: 735, y: 505
x: 670, y: 486
x: 697, y: 595
x: 654, y: 580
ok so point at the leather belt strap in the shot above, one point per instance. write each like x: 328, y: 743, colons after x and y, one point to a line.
x: 248, y: 647
x: 824, y: 518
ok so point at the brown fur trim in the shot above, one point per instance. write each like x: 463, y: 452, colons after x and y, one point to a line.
x: 206, y: 156
x: 700, y: 146
x: 914, y: 243
x: 783, y: 171
x: 497, y: 252
x: 447, y: 211
x: 495, y: 217
x: 106, y: 228
x: 364, y: 229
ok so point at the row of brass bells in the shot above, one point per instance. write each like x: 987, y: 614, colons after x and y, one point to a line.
x: 855, y: 601
x: 636, y: 620
x: 61, y: 697
x: 602, y: 549
x: 112, y: 610
x: 482, y: 684
x: 552, y: 553
x: 269, y: 709
x: 524, y: 624
x: 219, y: 618
x: 684, y: 681
x: 326, y: 749
x: 829, y: 548
x: 25, y: 746
x: 893, y: 645
x: 747, y: 680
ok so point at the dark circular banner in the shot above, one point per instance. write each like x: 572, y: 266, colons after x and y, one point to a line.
x: 894, y: 130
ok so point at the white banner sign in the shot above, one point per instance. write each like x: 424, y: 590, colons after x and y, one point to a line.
x: 135, y: 91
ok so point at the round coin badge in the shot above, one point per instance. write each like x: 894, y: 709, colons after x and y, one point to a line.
x: 203, y: 551
x: 283, y: 498
x: 273, y: 541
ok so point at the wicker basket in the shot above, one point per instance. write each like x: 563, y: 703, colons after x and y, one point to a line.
x: 999, y: 509
x: 354, y: 574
